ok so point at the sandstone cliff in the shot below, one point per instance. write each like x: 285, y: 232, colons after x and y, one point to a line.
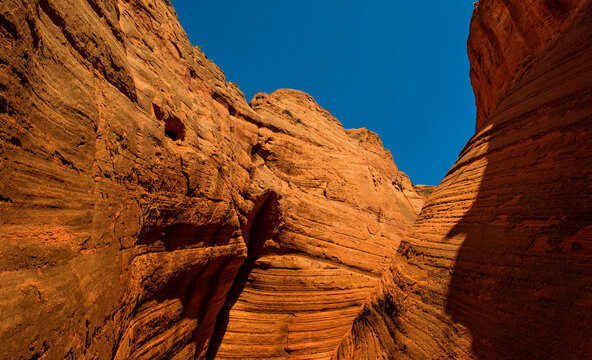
x: 343, y: 205
x: 498, y: 264
x: 148, y: 212
x: 505, y: 37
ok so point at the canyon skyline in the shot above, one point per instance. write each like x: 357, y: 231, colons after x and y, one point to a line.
x: 148, y: 210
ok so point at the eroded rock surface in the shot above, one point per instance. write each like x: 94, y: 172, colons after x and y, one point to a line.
x: 139, y: 189
x: 498, y: 264
x: 424, y: 191
x: 342, y: 206
x: 505, y: 36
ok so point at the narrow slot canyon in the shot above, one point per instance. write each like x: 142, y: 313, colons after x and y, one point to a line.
x: 149, y: 211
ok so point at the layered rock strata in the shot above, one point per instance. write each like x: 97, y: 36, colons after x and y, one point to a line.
x: 424, y: 191
x: 145, y: 206
x: 498, y: 264
x: 342, y: 206
x: 505, y: 37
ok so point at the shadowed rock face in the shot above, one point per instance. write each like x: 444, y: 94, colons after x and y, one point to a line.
x: 505, y: 36
x: 343, y: 205
x: 498, y: 264
x: 146, y: 207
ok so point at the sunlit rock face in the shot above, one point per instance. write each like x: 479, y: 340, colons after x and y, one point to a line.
x: 498, y: 264
x: 148, y: 212
x: 338, y: 211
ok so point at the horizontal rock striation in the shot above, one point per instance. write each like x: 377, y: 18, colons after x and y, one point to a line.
x: 498, y: 264
x: 145, y: 206
x: 505, y: 36
x: 341, y: 207
x: 124, y: 194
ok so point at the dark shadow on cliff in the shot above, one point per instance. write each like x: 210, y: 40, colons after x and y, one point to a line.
x: 263, y: 227
x: 522, y: 282
x: 207, y: 292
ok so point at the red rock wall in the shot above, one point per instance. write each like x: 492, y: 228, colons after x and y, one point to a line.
x: 498, y: 264
x: 341, y: 206
x: 139, y: 188
x: 504, y: 38
x: 123, y: 194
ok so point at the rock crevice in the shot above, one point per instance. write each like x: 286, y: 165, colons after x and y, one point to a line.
x: 497, y: 264
x: 149, y: 212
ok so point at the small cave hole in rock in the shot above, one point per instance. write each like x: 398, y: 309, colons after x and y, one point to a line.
x: 258, y: 149
x: 15, y: 141
x: 174, y: 128
x: 158, y: 111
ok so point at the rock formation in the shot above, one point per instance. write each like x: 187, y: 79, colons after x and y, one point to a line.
x: 424, y: 191
x: 505, y: 36
x: 343, y: 206
x: 148, y: 212
x: 498, y: 264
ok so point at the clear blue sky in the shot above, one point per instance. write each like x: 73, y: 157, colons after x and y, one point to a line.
x: 398, y: 68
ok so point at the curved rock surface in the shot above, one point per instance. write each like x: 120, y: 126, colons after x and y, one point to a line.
x: 424, y: 191
x: 498, y: 264
x: 139, y: 189
x: 505, y: 36
x: 341, y: 207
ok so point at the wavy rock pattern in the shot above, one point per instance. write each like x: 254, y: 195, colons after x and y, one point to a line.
x: 505, y: 36
x: 343, y: 205
x: 498, y: 264
x: 139, y: 189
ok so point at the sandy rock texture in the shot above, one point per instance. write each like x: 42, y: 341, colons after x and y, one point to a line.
x: 323, y: 245
x: 505, y: 36
x: 498, y: 264
x: 147, y: 211
x: 424, y: 191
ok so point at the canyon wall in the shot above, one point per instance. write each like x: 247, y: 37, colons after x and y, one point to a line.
x: 498, y: 264
x: 148, y: 212
x: 320, y: 249
x: 505, y: 37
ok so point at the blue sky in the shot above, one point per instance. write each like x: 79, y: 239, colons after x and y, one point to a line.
x: 398, y: 68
